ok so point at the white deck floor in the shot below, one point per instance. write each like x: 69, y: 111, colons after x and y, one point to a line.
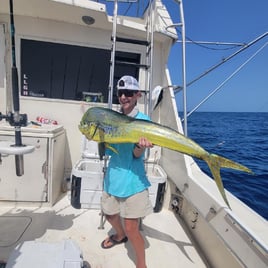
x: 167, y: 244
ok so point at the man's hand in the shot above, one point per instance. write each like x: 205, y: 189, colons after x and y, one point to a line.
x: 141, y: 146
x: 144, y: 143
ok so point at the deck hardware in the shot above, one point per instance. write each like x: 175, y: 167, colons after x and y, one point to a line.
x: 185, y: 187
x: 194, y: 220
x: 211, y: 214
x: 212, y: 210
x: 176, y: 203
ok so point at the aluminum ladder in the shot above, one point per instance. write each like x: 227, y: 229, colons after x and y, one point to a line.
x: 148, y: 43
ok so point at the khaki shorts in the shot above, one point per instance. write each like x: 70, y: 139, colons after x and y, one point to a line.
x: 132, y: 207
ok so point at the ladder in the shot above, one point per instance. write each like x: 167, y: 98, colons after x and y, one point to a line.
x: 147, y: 65
x: 148, y: 43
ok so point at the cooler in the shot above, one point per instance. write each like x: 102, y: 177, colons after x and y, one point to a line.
x: 87, y: 178
x: 86, y: 185
x: 64, y: 254
x: 157, y: 177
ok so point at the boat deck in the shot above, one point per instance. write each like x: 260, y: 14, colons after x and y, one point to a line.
x: 167, y: 244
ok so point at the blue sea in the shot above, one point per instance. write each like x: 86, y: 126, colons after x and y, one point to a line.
x: 242, y: 137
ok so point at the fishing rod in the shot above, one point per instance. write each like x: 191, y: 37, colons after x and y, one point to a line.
x: 16, y: 119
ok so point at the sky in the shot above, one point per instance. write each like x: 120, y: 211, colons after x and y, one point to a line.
x: 241, y: 84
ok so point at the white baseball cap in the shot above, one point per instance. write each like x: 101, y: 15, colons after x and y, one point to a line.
x: 128, y: 82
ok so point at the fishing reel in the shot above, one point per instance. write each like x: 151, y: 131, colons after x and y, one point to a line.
x: 18, y: 149
x: 15, y: 120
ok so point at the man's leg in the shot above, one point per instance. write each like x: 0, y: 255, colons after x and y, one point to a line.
x: 116, y: 223
x: 137, y: 241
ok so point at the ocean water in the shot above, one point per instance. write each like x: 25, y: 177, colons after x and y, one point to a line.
x: 242, y: 137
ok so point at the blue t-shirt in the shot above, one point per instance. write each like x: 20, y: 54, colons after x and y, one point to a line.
x: 125, y: 174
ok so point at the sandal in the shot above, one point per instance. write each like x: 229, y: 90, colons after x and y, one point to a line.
x: 110, y: 240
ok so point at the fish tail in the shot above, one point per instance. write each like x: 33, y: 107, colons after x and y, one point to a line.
x: 215, y: 163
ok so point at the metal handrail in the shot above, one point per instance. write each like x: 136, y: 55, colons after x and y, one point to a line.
x: 112, y: 62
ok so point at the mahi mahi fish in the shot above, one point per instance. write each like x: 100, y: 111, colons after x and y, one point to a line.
x: 108, y: 126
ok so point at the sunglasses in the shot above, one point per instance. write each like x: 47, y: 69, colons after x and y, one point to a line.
x: 127, y: 93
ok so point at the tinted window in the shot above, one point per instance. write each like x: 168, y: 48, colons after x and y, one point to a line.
x: 61, y: 71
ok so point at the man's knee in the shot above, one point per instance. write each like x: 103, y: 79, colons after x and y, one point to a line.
x: 111, y: 217
x: 131, y: 225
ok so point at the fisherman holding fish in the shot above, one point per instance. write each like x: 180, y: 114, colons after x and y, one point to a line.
x: 125, y: 194
x: 125, y: 183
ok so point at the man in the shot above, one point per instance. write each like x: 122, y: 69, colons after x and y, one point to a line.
x: 126, y: 185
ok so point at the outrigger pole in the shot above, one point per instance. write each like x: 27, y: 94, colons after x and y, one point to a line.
x: 244, y: 47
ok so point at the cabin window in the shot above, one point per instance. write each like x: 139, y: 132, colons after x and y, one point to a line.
x: 60, y: 71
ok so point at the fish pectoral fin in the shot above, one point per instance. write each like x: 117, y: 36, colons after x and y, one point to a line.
x: 101, y: 149
x: 107, y: 145
x: 101, y: 134
x: 101, y: 138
